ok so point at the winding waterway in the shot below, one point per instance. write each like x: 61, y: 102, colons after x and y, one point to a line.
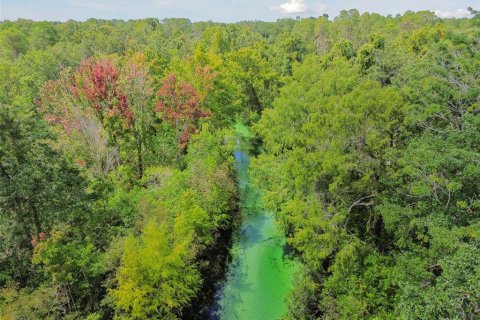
x: 260, y: 273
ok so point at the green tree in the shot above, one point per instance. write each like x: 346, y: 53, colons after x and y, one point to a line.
x: 12, y: 43
x: 43, y: 35
x: 39, y: 188
x: 156, y: 278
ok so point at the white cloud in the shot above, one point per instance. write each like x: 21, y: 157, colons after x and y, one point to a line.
x: 300, y: 7
x: 459, y: 13
x: 292, y: 7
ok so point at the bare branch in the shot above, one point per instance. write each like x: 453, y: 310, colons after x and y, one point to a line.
x: 360, y: 203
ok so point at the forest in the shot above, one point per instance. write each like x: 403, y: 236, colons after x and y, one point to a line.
x: 119, y: 193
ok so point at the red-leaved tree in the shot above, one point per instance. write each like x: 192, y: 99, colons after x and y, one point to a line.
x: 96, y: 83
x: 179, y: 106
x: 99, y: 99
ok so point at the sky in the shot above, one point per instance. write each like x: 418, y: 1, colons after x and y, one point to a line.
x: 217, y: 10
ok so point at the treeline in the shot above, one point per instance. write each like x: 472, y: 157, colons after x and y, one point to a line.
x: 117, y: 188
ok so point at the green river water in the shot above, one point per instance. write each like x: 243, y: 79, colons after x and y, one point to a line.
x: 260, y: 274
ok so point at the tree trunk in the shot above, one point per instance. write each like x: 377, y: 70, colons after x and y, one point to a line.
x: 139, y: 156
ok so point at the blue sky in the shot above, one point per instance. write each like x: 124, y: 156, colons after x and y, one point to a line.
x: 216, y: 10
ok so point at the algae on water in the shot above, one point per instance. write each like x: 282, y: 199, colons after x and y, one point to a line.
x: 260, y: 274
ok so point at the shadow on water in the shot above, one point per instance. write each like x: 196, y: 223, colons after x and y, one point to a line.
x: 260, y: 273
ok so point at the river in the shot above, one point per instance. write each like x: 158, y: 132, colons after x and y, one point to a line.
x: 260, y: 274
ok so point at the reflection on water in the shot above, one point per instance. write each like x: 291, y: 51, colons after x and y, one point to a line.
x: 260, y: 274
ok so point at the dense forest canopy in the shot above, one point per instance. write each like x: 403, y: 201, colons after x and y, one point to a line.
x: 118, y: 192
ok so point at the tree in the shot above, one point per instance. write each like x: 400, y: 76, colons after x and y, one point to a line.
x: 74, y: 268
x: 179, y: 106
x: 473, y: 12
x: 136, y: 83
x: 12, y: 43
x: 43, y: 34
x: 156, y: 279
x: 104, y: 100
x: 256, y: 80
x: 39, y: 188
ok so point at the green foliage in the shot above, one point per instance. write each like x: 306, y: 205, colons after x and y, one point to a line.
x: 37, y: 184
x: 155, y: 279
x: 366, y: 130
x: 73, y: 266
x: 256, y: 80
x: 13, y: 43
x: 365, y: 166
x: 183, y: 214
x: 42, y: 303
x: 43, y: 35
